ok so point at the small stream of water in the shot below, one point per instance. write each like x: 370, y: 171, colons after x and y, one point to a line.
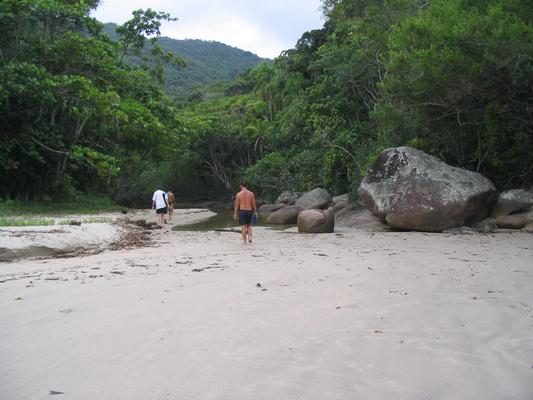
x: 224, y: 220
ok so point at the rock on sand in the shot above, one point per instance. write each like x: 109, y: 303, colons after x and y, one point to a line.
x: 285, y: 215
x: 315, y: 199
x: 415, y: 191
x: 316, y: 221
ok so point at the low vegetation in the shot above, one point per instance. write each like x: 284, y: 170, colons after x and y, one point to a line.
x: 81, y: 204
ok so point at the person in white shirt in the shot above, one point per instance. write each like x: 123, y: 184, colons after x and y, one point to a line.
x: 160, y: 204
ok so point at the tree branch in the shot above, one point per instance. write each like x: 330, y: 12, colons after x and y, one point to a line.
x: 50, y: 149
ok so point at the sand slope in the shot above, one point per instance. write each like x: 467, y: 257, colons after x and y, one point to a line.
x: 350, y: 315
x: 60, y: 239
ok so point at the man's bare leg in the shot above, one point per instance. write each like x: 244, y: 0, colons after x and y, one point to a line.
x: 249, y: 228
x: 243, y: 233
x: 170, y: 212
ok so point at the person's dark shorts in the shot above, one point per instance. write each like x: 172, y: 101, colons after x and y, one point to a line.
x: 245, y: 217
x: 161, y: 210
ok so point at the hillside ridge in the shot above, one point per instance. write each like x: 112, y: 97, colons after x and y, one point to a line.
x: 208, y: 61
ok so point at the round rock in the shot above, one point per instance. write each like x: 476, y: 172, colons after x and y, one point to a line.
x: 316, y: 221
x: 284, y: 216
x: 315, y: 199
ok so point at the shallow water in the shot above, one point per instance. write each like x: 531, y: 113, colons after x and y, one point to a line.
x: 224, y: 220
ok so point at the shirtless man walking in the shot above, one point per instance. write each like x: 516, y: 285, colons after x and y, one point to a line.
x: 245, y: 207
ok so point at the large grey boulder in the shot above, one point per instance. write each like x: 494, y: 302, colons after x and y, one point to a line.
x: 412, y: 190
x: 357, y: 217
x: 512, y: 201
x: 315, y: 199
x: 265, y: 210
x: 288, y: 197
x: 284, y: 216
x: 316, y: 221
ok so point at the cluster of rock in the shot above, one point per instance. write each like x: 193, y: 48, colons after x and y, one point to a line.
x: 411, y: 190
x: 310, y: 211
x: 318, y: 212
x: 407, y: 189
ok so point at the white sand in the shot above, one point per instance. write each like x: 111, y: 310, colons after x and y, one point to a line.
x: 345, y: 316
x: 59, y: 239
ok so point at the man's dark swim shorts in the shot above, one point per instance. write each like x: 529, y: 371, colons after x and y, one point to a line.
x: 245, y: 217
x: 161, y: 210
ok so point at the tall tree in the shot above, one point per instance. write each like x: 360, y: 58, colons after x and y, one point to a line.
x: 73, y: 114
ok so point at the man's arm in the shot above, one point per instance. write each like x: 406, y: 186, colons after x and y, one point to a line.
x: 254, y: 205
x: 236, y: 209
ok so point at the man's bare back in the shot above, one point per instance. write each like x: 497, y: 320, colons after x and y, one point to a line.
x: 245, y: 200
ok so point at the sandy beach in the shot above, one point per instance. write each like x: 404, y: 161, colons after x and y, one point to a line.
x: 349, y: 315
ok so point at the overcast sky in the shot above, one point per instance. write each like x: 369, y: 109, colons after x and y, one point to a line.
x: 264, y: 27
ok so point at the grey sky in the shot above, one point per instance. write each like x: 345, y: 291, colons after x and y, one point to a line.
x: 264, y: 27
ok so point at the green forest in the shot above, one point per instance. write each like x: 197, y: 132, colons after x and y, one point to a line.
x: 451, y: 77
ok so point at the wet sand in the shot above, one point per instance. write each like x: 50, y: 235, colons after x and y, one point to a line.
x: 350, y: 315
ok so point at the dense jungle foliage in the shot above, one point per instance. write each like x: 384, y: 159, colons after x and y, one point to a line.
x: 451, y: 77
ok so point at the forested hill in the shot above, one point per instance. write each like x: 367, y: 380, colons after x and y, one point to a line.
x: 207, y: 62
